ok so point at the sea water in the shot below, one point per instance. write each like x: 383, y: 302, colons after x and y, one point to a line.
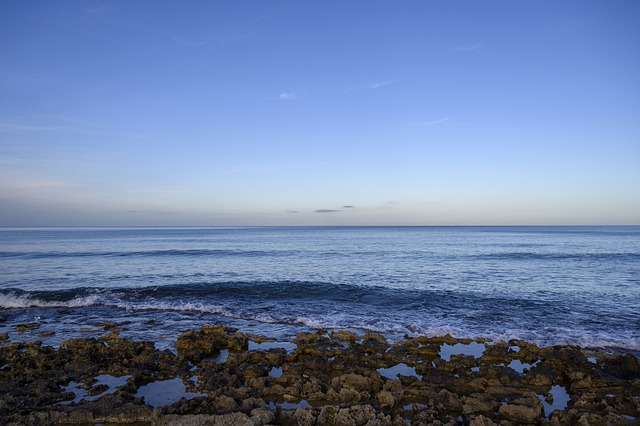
x: 548, y: 285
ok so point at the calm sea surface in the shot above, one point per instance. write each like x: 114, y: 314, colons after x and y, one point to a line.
x: 549, y: 285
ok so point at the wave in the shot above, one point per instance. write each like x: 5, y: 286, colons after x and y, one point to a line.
x: 367, y: 308
x: 588, y: 257
x: 146, y: 253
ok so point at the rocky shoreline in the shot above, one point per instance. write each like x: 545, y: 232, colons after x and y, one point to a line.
x: 218, y: 375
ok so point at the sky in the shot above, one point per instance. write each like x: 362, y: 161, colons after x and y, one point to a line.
x: 234, y: 113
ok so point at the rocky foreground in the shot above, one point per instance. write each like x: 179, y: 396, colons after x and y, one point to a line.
x: 326, y: 378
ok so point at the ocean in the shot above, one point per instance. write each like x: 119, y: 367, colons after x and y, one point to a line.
x: 547, y: 285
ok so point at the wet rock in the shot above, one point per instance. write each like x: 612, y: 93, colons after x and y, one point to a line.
x: 522, y: 411
x: 340, y: 382
x: 304, y: 417
x: 343, y: 335
x: 232, y: 419
x: 451, y: 401
x: 386, y: 399
x: 481, y: 421
x: 21, y: 328
x: 479, y: 404
x: 624, y: 366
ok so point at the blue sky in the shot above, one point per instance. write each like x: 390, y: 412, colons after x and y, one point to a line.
x: 319, y: 113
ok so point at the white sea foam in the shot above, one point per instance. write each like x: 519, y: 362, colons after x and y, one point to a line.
x: 391, y: 327
x: 17, y: 301
x: 170, y: 306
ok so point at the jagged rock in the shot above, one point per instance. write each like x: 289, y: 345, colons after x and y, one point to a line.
x: 304, y: 417
x: 481, y: 421
x: 232, y: 419
x: 386, y: 399
x: 479, y: 404
x: 520, y: 414
x: 624, y: 366
x: 21, y: 328
x: 343, y: 335
x: 341, y: 382
x: 224, y: 404
x: 450, y: 400
x: 262, y: 416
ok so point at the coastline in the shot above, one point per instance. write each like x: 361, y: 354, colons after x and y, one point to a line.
x: 219, y: 375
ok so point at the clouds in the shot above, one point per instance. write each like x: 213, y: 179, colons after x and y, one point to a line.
x: 373, y: 86
x: 468, y: 47
x: 435, y: 122
x: 287, y: 96
x: 347, y: 207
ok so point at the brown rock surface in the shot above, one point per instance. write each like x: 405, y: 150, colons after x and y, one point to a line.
x: 328, y: 379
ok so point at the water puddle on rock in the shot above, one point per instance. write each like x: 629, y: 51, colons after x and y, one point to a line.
x: 401, y: 369
x: 559, y: 400
x: 287, y: 346
x: 112, y: 383
x: 165, y: 392
x: 290, y: 405
x: 275, y: 372
x: 520, y: 366
x: 474, y: 349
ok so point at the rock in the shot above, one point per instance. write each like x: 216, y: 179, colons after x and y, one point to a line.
x: 327, y: 415
x: 386, y: 399
x: 520, y: 414
x: 21, y: 328
x: 343, y: 335
x: 304, y: 417
x: 341, y: 382
x: 450, y: 400
x: 224, y: 404
x: 623, y: 366
x: 233, y: 419
x: 481, y: 421
x: 478, y: 404
x: 262, y: 416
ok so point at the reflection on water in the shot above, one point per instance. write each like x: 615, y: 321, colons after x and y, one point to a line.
x: 290, y: 405
x: 474, y: 349
x: 165, y: 392
x: 401, y: 369
x: 275, y: 372
x: 111, y: 382
x: 288, y: 346
x: 559, y: 400
x: 520, y: 366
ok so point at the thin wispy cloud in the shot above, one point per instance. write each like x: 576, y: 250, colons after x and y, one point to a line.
x: 326, y: 211
x: 44, y: 124
x: 287, y: 96
x: 373, y: 86
x: 379, y: 85
x: 434, y: 122
x: 22, y: 185
x: 27, y: 128
x: 468, y: 47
